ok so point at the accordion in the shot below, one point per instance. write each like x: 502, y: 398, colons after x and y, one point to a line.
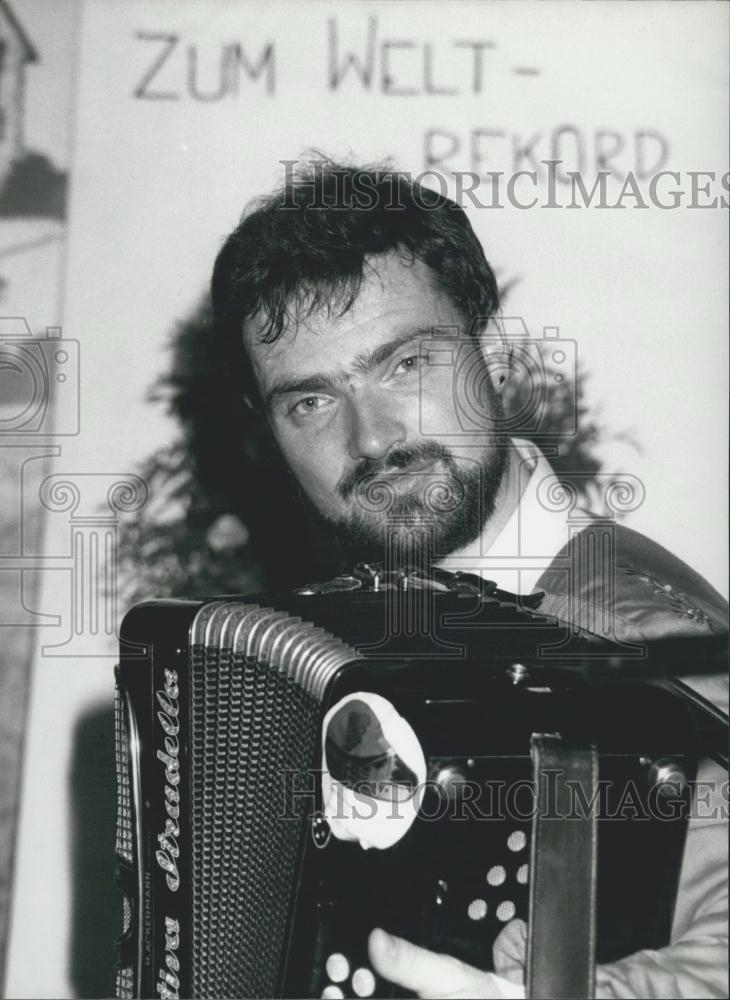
x: 250, y: 730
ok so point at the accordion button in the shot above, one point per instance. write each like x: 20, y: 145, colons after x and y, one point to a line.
x: 477, y: 909
x: 363, y: 982
x: 496, y: 875
x: 332, y: 993
x: 338, y: 968
x: 517, y: 841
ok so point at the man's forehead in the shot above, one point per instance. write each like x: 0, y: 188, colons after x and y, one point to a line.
x: 393, y: 295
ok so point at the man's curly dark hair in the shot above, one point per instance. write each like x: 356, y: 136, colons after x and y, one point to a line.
x: 306, y: 247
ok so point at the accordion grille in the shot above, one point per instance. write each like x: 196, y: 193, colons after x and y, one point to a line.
x: 256, y: 682
x: 125, y: 833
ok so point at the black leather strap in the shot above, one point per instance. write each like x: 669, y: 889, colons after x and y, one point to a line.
x: 562, y: 924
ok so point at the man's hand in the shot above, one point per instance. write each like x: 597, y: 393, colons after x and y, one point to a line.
x: 429, y: 974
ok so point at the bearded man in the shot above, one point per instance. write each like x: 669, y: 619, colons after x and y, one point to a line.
x: 363, y: 315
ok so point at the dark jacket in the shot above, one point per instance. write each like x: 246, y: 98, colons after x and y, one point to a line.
x: 616, y: 582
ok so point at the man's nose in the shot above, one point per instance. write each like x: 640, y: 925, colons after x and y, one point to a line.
x: 374, y: 428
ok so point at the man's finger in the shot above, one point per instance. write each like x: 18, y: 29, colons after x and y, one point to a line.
x: 426, y: 973
x: 510, y: 951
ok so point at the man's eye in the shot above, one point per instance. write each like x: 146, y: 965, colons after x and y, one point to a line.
x: 410, y: 363
x: 309, y: 406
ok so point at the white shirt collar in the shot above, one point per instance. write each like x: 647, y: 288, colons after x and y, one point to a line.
x: 536, y: 531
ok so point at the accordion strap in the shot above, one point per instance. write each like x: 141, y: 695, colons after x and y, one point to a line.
x: 562, y: 925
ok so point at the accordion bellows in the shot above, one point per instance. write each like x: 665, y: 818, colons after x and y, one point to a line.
x: 231, y: 884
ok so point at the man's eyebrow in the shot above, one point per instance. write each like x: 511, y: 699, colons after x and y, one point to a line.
x: 365, y: 363
x: 318, y: 382
x: 362, y: 364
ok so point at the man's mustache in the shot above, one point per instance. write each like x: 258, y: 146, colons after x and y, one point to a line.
x: 399, y: 458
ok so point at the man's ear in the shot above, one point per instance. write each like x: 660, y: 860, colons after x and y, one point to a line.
x: 496, y: 349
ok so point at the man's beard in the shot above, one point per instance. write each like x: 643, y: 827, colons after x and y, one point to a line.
x: 444, y: 511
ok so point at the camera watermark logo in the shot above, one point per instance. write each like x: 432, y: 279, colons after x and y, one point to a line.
x: 58, y: 561
x: 91, y: 560
x: 493, y: 353
x: 39, y: 381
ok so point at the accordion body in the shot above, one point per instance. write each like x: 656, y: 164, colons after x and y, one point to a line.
x: 232, y: 882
